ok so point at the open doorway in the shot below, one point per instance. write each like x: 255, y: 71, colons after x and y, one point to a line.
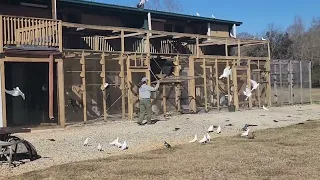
x: 32, y: 79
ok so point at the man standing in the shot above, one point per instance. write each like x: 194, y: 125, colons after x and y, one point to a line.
x: 145, y: 102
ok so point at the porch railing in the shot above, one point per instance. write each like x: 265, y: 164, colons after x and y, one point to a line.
x: 17, y: 31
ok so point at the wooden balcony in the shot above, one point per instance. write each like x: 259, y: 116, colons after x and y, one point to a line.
x: 22, y: 32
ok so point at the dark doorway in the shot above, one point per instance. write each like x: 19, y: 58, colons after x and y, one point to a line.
x: 32, y: 79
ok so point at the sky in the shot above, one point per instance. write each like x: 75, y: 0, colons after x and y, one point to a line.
x: 255, y: 14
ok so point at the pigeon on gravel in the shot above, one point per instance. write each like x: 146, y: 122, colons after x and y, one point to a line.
x: 116, y: 142
x: 204, y: 139
x: 219, y: 130
x: 86, y: 142
x: 264, y: 108
x: 99, y: 147
x: 167, y: 145
x: 194, y: 139
x: 208, y: 137
x: 210, y: 129
x: 246, y: 133
x: 124, y: 146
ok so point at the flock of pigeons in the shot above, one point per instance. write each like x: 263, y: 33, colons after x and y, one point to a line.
x: 122, y: 146
x: 248, y: 92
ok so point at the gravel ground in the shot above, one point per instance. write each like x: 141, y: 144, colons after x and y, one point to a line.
x: 68, y: 144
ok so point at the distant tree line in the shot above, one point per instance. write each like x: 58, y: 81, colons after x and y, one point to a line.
x: 297, y: 42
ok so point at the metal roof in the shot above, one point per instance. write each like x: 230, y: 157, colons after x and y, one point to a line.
x: 155, y: 12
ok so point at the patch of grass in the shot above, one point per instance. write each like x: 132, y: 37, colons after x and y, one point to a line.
x: 283, y: 153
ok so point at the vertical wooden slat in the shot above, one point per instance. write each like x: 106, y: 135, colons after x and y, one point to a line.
x: 268, y: 63
x: 310, y: 82
x: 164, y: 99
x: 204, y: 76
x: 1, y: 33
x: 228, y: 86
x: 83, y: 88
x: 301, y: 83
x: 130, y: 100
x: 197, y: 47
x: 104, y: 92
x: 11, y: 31
x: 60, y: 36
x: 62, y: 114
x: 3, y: 94
x: 239, y: 53
x: 51, y: 61
x: 178, y: 87
x: 191, y: 86
x: 217, y: 83
x: 281, y: 90
x: 291, y: 83
x: 249, y: 81
x: 235, y: 85
x: 122, y: 75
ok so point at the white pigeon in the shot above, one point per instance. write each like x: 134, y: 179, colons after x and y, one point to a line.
x: 231, y: 35
x: 194, y: 139
x: 246, y: 133
x: 213, y: 16
x: 204, y: 139
x: 198, y: 14
x: 99, y: 147
x: 219, y: 129
x: 263, y: 39
x: 124, y: 146
x: 86, y: 142
x: 247, y: 93
x: 254, y: 84
x: 226, y: 72
x: 80, y: 29
x: 142, y: 2
x: 16, y: 92
x: 264, y: 108
x: 116, y: 142
x: 210, y: 129
x: 208, y: 137
x: 105, y: 85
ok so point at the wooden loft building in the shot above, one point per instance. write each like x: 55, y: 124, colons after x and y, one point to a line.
x: 62, y: 65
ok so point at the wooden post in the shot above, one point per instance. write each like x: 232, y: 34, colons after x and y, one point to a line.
x: 281, y: 91
x: 122, y: 76
x: 290, y: 82
x: 191, y: 86
x: 60, y: 36
x: 301, y: 83
x: 235, y: 86
x: 249, y: 81
x: 84, y: 88
x: 54, y: 9
x: 61, y: 96
x: 310, y: 82
x: 164, y: 99
x: 51, y: 61
x: 217, y: 82
x: 228, y: 86
x: 177, y: 88
x: 239, y: 53
x: 3, y: 94
x: 268, y: 76
x: 1, y: 33
x: 148, y: 57
x: 129, y: 79
x: 204, y: 76
x: 259, y: 78
x: 197, y: 47
x: 103, y: 79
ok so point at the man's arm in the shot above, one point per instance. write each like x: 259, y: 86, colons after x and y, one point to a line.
x: 153, y: 88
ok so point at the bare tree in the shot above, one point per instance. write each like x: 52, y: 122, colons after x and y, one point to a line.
x: 165, y: 5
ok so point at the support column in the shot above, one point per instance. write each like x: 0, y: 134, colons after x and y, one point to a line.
x: 83, y: 87
x: 103, y: 79
x: 249, y: 82
x: 3, y: 94
x: 177, y: 69
x: 310, y: 82
x: 122, y: 76
x: 268, y: 76
x: 235, y: 86
x: 61, y: 95
x: 301, y: 83
x: 204, y: 75
x: 191, y: 86
x: 51, y: 61
x: 217, y: 82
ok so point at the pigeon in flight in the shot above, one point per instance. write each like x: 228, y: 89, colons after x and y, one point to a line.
x: 86, y: 142
x: 247, y: 93
x: 198, y: 14
x: 167, y: 145
x: 116, y: 142
x: 263, y: 39
x: 194, y: 139
x: 16, y: 92
x: 226, y: 72
x: 231, y: 35
x: 254, y: 84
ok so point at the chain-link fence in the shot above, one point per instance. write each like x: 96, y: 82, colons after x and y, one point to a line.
x: 290, y: 82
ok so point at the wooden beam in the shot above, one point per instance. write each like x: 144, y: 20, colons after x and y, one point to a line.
x: 133, y: 34
x: 164, y: 99
x: 122, y: 75
x: 3, y: 94
x: 24, y: 59
x: 259, y: 91
x: 239, y: 53
x: 249, y: 82
x: 217, y: 82
x: 1, y: 34
x: 281, y: 92
x: 54, y: 9
x: 197, y: 47
x: 129, y: 79
x: 310, y: 82
x: 228, y: 86
x: 177, y: 88
x: 191, y: 86
x: 112, y: 37
x: 157, y: 36
x: 61, y: 96
x: 204, y: 75
x: 83, y: 88
x: 51, y: 61
x: 290, y: 82
x: 60, y: 34
x: 235, y: 86
x: 268, y: 76
x: 104, y: 91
